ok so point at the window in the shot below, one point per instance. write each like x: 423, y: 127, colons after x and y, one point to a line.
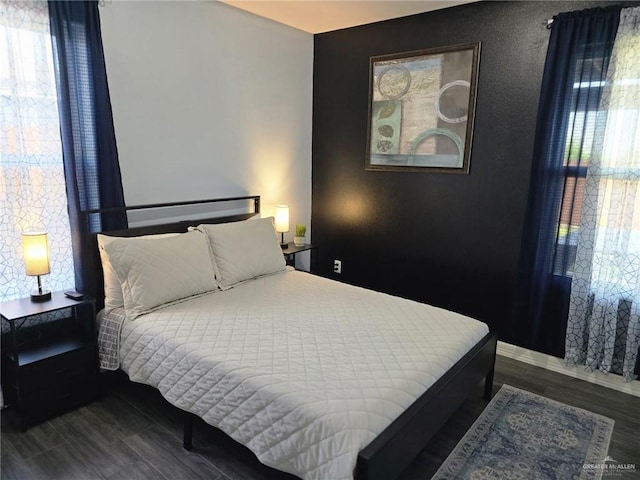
x: 32, y: 184
x: 614, y: 181
x: 583, y: 121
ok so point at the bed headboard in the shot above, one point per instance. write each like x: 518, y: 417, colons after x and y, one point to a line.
x: 174, y: 220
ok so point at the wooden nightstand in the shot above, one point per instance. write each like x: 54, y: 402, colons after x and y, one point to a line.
x: 290, y: 252
x: 49, y: 356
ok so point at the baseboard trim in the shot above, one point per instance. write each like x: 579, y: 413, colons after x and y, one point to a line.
x: 557, y: 365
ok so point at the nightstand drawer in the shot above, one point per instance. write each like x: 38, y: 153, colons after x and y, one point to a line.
x: 68, y: 394
x: 59, y: 370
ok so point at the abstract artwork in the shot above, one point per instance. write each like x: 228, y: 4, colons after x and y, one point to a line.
x: 421, y: 109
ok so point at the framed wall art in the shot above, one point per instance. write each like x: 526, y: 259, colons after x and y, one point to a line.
x: 421, y: 109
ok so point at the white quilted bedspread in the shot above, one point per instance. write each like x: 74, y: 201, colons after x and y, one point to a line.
x: 303, y: 370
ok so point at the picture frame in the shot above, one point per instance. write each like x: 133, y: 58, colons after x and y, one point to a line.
x: 422, y: 109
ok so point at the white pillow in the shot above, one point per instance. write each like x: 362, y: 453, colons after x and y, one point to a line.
x: 156, y: 272
x: 244, y: 250
x: 112, y: 289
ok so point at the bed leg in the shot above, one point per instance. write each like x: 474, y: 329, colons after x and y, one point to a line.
x: 488, y: 384
x: 187, y: 439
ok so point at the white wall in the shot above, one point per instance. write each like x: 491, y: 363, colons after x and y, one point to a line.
x: 209, y: 101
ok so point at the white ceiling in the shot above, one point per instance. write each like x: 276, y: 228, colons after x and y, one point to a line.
x: 318, y: 16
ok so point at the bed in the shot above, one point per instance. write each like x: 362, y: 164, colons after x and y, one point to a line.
x: 318, y: 378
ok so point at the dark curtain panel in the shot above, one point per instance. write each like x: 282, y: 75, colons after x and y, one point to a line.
x: 92, y: 171
x: 575, y: 70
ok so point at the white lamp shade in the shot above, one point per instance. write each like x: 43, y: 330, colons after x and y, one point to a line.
x: 282, y: 218
x: 36, y: 253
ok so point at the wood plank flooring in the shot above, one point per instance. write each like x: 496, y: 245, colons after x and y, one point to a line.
x: 132, y: 433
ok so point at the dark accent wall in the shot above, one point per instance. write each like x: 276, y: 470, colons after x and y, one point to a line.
x: 448, y: 240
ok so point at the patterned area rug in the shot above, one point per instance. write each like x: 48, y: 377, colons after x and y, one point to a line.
x: 523, y: 436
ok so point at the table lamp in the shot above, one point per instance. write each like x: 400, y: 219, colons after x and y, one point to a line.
x: 282, y: 222
x: 36, y: 261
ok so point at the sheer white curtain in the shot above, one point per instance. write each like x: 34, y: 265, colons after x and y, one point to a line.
x: 32, y: 186
x: 603, y: 328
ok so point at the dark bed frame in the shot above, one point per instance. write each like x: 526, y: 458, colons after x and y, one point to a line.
x: 393, y: 450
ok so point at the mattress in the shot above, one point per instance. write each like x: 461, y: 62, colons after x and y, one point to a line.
x: 302, y: 370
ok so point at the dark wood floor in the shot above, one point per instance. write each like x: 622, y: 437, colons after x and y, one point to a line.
x: 131, y: 433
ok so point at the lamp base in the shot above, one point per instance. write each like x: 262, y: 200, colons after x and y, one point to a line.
x: 40, y: 296
x: 284, y: 245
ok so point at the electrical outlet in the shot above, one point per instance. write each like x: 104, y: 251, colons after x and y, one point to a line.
x: 337, y: 266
